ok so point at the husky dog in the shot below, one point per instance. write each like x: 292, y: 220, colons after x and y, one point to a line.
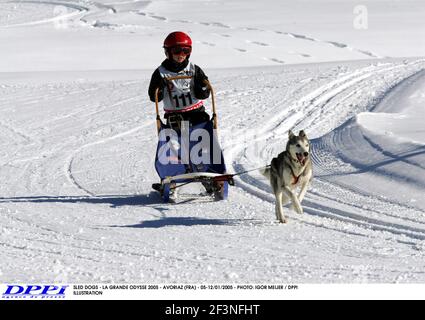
x: 290, y: 169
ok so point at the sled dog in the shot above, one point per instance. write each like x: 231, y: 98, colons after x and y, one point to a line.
x: 292, y: 168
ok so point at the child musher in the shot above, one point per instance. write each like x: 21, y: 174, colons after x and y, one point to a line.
x: 179, y: 104
x: 182, y: 99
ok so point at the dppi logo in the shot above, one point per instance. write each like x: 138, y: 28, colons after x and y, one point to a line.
x: 34, y: 291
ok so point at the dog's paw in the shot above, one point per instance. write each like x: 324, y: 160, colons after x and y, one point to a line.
x: 281, y: 217
x: 284, y: 220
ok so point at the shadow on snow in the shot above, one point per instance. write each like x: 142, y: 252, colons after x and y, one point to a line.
x: 113, y: 200
x: 129, y: 200
x: 182, y: 221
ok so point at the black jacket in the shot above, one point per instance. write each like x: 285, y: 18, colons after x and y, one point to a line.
x: 200, y: 89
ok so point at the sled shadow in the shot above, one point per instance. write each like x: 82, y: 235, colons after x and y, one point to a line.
x: 114, y: 200
x: 182, y: 221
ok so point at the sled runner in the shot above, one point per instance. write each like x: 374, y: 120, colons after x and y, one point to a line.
x: 190, y: 153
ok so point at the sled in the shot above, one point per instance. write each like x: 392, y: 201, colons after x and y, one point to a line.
x: 183, y: 157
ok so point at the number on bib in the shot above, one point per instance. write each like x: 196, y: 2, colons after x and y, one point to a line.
x: 183, y: 100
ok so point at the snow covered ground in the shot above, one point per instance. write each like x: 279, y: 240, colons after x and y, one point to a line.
x: 78, y: 138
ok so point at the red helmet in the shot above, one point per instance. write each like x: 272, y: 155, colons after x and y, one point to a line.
x: 177, y: 38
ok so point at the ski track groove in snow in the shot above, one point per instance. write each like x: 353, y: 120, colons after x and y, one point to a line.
x: 69, y: 163
x: 78, y: 11
x: 317, y: 102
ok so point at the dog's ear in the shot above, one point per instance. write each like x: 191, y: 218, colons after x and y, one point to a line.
x: 290, y: 134
x: 302, y: 134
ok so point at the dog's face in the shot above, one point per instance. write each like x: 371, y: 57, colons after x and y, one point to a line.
x: 298, y: 146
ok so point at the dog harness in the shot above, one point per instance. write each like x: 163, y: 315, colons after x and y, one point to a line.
x: 294, y: 177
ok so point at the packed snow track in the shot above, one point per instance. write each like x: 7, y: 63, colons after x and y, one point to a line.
x: 77, y: 152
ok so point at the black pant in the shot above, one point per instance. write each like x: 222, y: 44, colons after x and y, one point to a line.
x: 194, y: 117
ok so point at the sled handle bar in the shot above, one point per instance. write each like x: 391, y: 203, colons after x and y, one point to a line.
x: 215, y: 123
x: 158, y: 117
